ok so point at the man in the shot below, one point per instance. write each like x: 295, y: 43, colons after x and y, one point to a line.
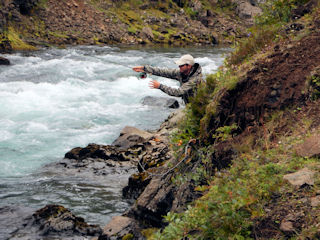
x: 189, y: 75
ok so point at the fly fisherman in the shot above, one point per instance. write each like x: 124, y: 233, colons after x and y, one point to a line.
x: 189, y: 75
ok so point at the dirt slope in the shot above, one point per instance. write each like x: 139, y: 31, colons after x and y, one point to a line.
x: 275, y: 82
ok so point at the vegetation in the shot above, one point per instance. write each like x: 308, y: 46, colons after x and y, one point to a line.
x: 234, y: 199
x: 16, y: 42
x: 269, y: 28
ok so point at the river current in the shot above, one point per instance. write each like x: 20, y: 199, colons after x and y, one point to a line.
x: 53, y: 100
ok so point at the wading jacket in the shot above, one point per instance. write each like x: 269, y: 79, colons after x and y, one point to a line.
x: 188, y: 83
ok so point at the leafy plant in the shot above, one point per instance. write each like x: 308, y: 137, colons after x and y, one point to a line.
x: 224, y: 133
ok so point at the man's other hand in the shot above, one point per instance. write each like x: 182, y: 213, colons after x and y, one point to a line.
x: 154, y: 84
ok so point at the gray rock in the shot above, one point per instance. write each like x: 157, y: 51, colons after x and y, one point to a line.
x: 247, y: 11
x: 310, y: 147
x: 171, y: 122
x: 120, y: 227
x: 4, y: 61
x: 131, y: 136
x: 11, y: 219
x: 54, y: 221
x: 300, y: 178
x: 160, y: 102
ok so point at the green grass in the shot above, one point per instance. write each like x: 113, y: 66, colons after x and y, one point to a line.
x: 235, y: 197
x: 16, y: 42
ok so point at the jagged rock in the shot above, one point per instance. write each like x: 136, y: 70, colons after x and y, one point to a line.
x: 155, y: 202
x: 96, y: 151
x: 310, y: 147
x: 121, y: 228
x: 130, y: 136
x: 4, y: 61
x: 247, y: 11
x: 160, y: 102
x: 136, y: 184
x: 155, y: 154
x: 161, y: 195
x: 12, y: 218
x: 171, y: 122
x: 300, y: 178
x: 53, y: 220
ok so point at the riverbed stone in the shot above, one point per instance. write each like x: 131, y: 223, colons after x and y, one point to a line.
x: 4, y: 61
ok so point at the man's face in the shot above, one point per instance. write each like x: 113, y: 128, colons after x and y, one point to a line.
x: 185, y: 69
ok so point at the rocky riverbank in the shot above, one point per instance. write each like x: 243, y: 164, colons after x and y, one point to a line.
x: 32, y: 23
x: 150, y: 186
x: 145, y: 153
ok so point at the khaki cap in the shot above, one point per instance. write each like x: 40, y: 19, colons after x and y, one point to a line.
x: 185, y: 59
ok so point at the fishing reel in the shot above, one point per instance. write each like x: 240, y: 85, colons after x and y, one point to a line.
x: 142, y: 75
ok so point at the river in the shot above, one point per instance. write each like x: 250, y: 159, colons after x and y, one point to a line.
x: 53, y: 100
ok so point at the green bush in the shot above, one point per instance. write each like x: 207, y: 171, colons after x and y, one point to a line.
x: 276, y: 15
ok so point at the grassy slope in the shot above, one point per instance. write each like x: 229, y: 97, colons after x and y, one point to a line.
x: 250, y: 199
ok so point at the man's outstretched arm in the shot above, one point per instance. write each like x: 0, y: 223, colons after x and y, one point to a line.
x: 162, y: 72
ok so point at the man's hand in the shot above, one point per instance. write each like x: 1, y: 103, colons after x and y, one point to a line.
x: 154, y: 84
x: 138, y: 69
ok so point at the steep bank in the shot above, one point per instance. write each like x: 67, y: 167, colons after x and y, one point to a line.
x: 254, y: 162
x: 255, y: 159
x: 260, y: 131
x: 25, y: 24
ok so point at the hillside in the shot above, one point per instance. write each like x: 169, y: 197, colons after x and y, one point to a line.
x: 246, y: 156
x: 260, y: 131
x: 32, y: 23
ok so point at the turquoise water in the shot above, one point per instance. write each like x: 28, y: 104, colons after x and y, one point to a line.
x: 53, y: 100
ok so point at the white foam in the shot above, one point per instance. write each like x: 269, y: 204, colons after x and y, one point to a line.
x: 60, y: 99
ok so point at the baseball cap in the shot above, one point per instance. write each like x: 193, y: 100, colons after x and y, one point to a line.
x: 185, y: 59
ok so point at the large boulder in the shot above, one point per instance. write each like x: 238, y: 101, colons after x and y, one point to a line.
x: 4, y: 61
x: 131, y: 136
